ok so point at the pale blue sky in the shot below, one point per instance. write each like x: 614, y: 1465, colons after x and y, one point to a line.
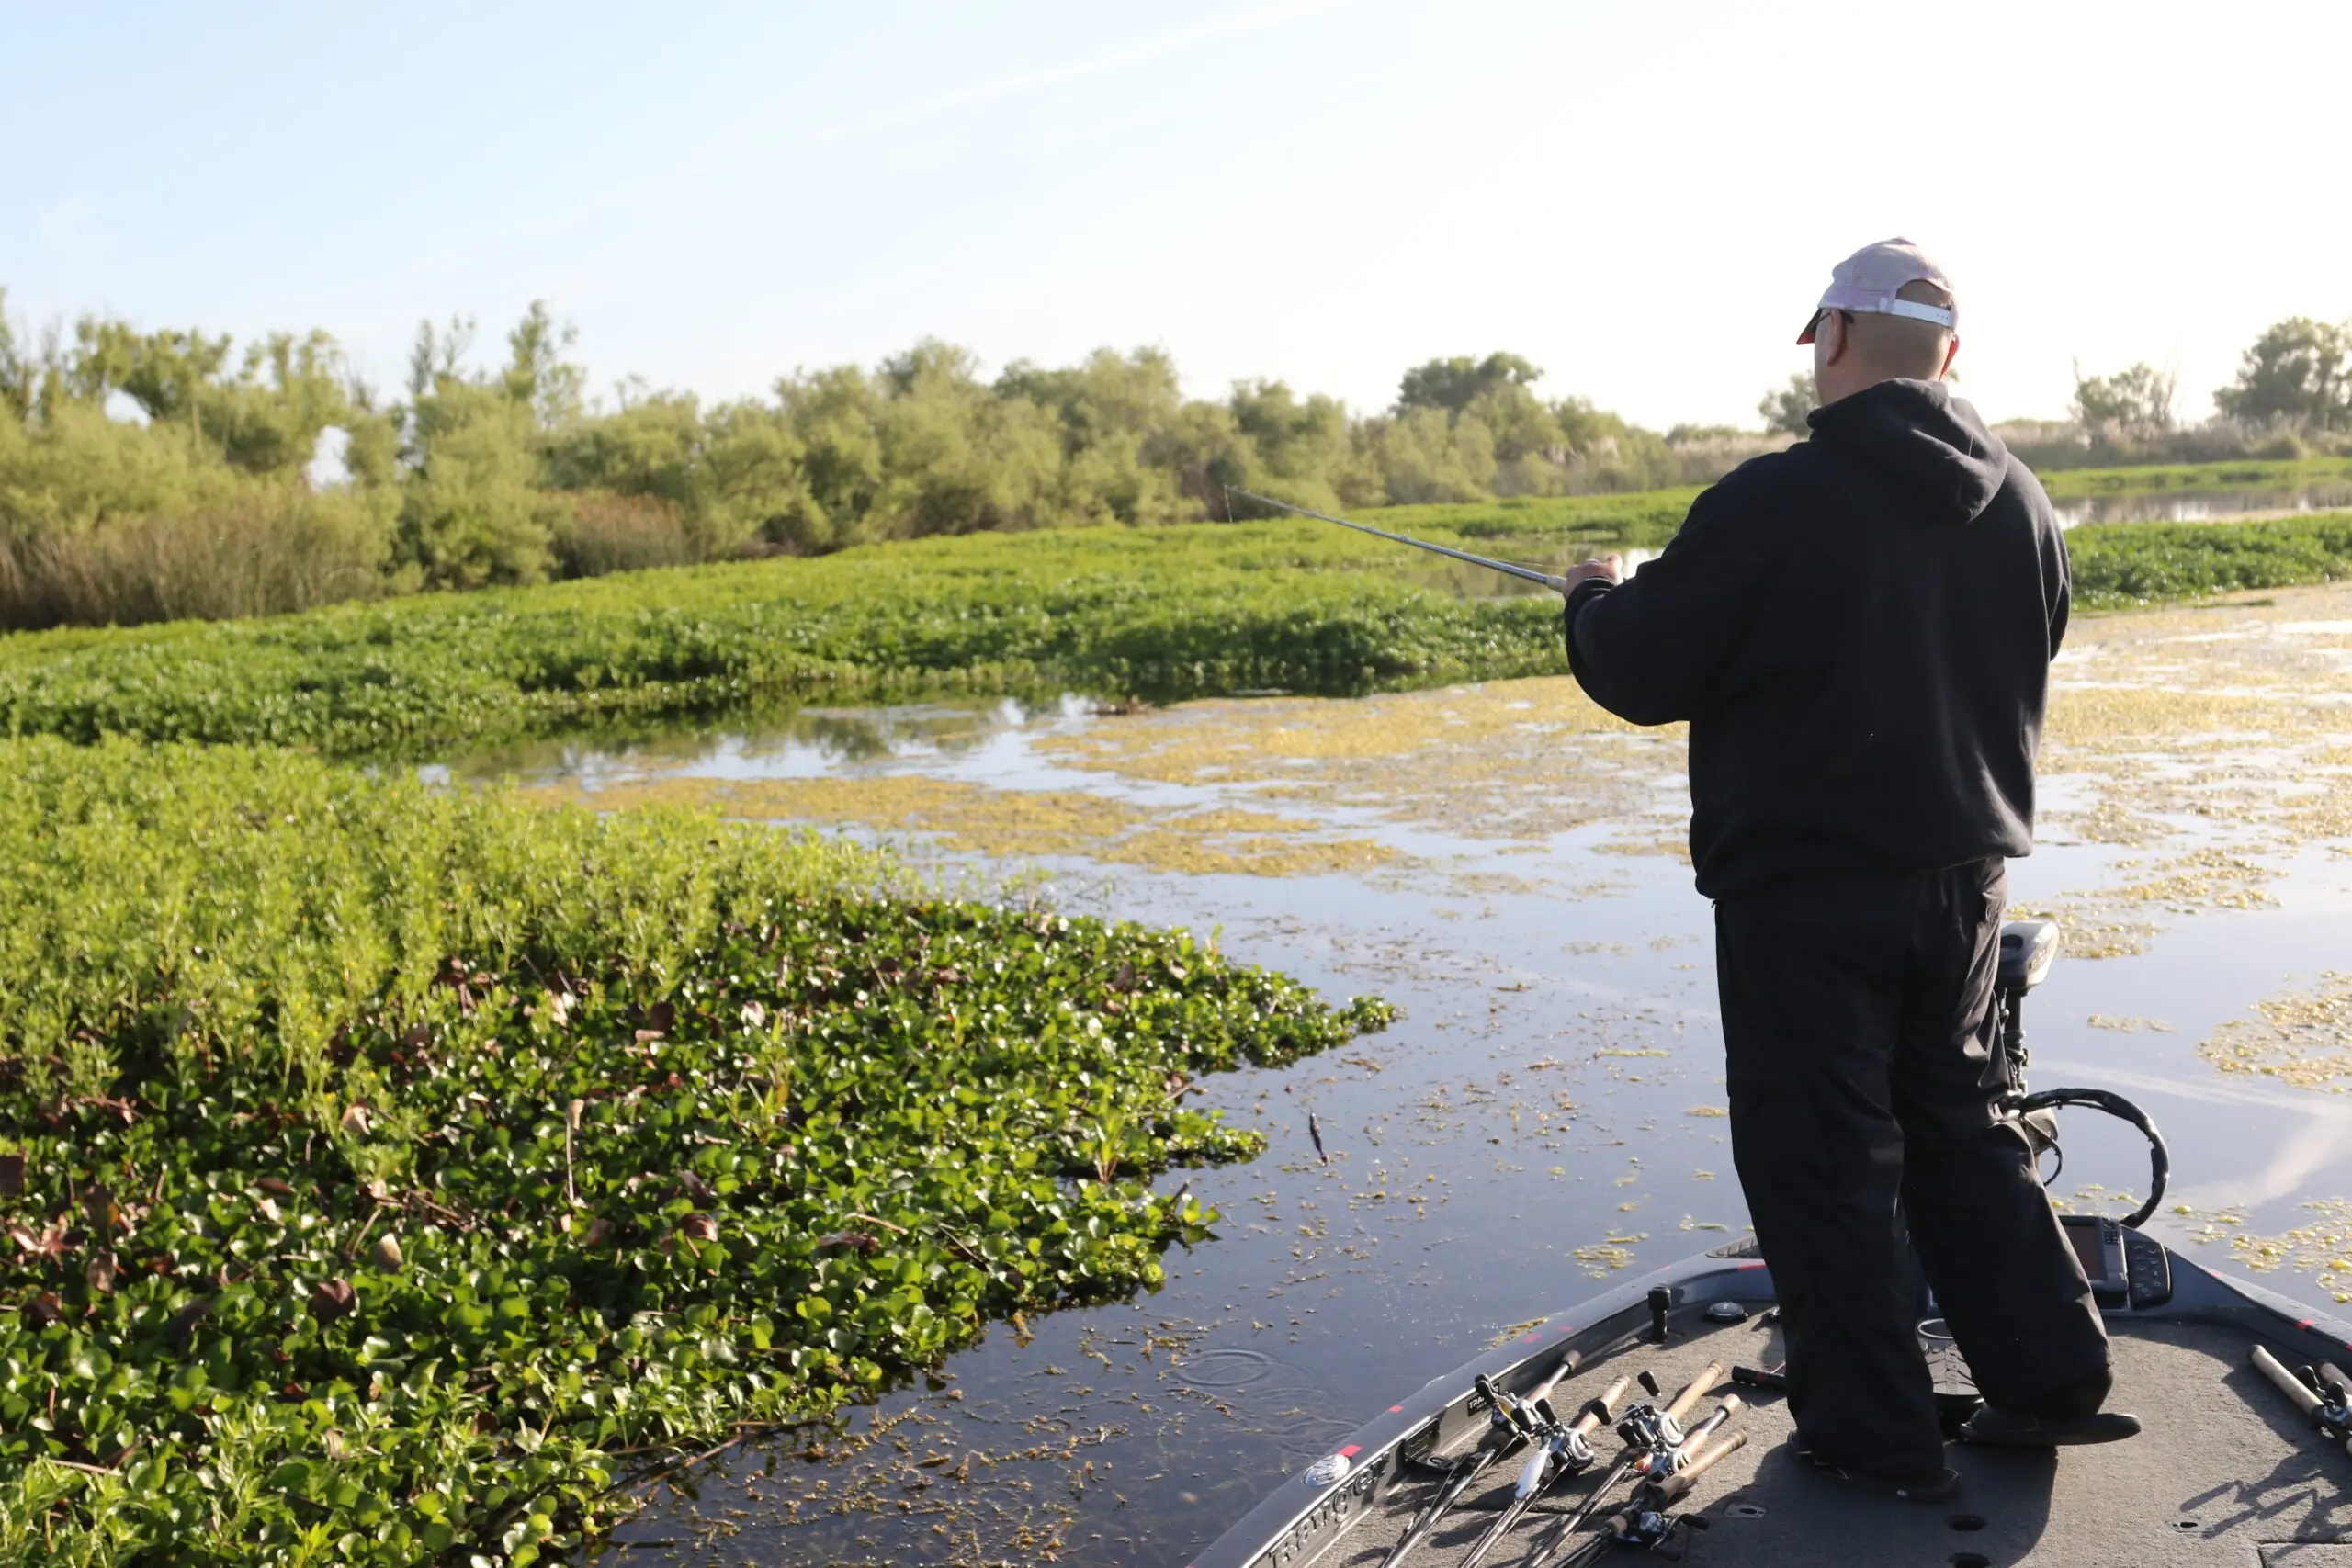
x: 1643, y: 198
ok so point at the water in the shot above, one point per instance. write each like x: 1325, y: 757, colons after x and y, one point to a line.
x: 2206, y: 505
x: 1541, y: 1116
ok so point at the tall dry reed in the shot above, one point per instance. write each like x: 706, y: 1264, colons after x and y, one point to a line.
x: 272, y: 552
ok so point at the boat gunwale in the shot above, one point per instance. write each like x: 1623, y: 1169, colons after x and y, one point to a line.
x: 1302, y: 1518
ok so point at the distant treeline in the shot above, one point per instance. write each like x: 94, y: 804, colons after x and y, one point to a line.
x: 217, y: 505
x: 268, y: 478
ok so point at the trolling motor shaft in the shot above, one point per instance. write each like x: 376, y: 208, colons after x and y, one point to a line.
x: 2028, y: 950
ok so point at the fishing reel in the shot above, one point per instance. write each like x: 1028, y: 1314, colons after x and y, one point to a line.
x: 1507, y: 1414
x: 2028, y: 950
x: 2333, y: 1414
x: 1563, y: 1443
x: 1647, y: 1427
x: 1647, y: 1528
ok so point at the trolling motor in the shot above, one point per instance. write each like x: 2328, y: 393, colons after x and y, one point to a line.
x: 2028, y: 950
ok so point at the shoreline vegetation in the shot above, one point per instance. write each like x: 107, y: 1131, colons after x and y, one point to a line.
x: 1163, y: 614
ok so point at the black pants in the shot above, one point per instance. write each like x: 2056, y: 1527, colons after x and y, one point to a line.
x: 1859, y: 1029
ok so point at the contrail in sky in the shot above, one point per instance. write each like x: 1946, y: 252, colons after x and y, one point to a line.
x: 725, y: 150
x: 1134, y: 53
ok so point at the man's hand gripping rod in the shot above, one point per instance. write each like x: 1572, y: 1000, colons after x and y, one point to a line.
x: 1529, y: 573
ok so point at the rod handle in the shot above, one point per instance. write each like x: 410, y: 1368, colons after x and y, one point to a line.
x: 1568, y: 1364
x: 2287, y: 1382
x: 1609, y: 1397
x: 1732, y: 1405
x: 1682, y: 1480
x: 1695, y: 1437
x: 1696, y: 1390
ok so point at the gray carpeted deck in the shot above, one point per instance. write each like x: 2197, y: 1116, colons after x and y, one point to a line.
x: 2224, y: 1473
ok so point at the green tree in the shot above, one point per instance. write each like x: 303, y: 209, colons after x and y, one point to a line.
x: 264, y: 417
x: 1120, y: 418
x: 2297, y: 371
x: 1293, y: 443
x: 1425, y: 456
x: 1455, y: 384
x: 472, y: 511
x: 19, y: 374
x: 2139, y: 398
x: 1606, y: 452
x: 722, y: 476
x: 536, y: 373
x: 1786, y: 407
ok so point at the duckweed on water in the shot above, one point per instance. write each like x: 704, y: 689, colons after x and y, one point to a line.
x: 2302, y: 1038
x: 389, y: 1171
x: 1018, y: 823
x: 2323, y: 1247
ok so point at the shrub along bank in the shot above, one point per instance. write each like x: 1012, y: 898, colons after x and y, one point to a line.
x: 1172, y: 612
x: 1167, y: 612
x: 384, y: 1162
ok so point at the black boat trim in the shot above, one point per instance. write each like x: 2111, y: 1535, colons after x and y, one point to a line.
x: 1300, y: 1519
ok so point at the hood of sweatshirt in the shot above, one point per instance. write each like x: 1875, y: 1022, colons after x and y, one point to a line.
x: 1935, y: 445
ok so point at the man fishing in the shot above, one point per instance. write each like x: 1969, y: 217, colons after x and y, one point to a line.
x: 1859, y: 631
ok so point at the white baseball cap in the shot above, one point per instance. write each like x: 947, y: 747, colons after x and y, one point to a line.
x: 1867, y: 281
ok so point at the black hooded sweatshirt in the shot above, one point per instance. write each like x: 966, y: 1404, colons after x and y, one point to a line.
x: 1859, y: 630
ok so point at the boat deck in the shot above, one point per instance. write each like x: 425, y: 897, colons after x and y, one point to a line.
x: 2223, y: 1472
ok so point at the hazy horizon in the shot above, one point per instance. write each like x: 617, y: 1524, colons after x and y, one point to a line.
x: 1322, y: 192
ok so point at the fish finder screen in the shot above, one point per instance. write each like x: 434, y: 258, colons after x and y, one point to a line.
x: 2087, y: 1250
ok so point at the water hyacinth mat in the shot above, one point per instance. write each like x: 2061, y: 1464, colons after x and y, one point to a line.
x: 391, y: 1175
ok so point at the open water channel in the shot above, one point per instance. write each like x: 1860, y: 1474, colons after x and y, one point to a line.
x: 1503, y: 862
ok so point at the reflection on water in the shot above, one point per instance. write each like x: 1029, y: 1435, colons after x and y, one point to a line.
x: 810, y: 742
x: 2206, y: 505
x: 1546, y: 1112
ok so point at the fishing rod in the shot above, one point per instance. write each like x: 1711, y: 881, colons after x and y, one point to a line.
x: 2323, y: 1396
x: 1561, y: 1450
x: 1511, y: 1422
x: 1526, y: 573
x: 1655, y: 1445
x: 1643, y: 1523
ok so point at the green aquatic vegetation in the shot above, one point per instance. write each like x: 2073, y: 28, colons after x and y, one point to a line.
x: 2156, y: 479
x: 2122, y: 566
x: 1176, y: 612
x: 388, y: 1171
x: 1170, y: 612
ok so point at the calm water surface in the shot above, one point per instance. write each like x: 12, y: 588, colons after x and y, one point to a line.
x: 1541, y: 1116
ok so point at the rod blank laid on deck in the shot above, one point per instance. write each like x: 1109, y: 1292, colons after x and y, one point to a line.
x: 1529, y: 573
